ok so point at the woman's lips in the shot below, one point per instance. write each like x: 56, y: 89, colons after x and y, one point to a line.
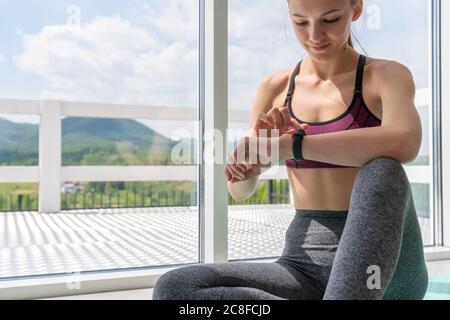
x: 321, y: 48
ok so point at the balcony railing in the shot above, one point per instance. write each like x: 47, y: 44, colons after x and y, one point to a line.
x: 50, y: 173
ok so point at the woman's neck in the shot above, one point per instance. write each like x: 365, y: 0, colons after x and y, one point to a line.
x: 343, y: 62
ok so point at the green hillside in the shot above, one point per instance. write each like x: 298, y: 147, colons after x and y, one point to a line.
x: 87, y: 142
x: 18, y: 143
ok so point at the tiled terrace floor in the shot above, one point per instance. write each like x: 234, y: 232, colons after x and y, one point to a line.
x: 109, y: 239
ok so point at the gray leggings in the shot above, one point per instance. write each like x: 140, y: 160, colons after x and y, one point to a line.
x: 372, y: 251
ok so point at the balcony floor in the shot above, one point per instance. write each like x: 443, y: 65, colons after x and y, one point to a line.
x: 110, y: 239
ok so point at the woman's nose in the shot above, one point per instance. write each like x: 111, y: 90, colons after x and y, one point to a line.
x: 316, y: 35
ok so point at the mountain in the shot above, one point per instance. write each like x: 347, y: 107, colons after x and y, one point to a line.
x: 87, y: 142
x: 18, y: 143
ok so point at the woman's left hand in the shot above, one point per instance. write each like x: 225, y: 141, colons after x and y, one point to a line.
x: 249, y: 158
x: 252, y: 162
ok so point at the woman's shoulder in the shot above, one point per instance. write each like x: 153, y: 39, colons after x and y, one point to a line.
x: 381, y: 73
x: 384, y: 69
x: 277, y: 83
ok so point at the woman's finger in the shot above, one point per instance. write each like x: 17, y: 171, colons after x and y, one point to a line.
x: 233, y: 171
x: 241, y: 167
x: 227, y: 173
x: 264, y: 117
x: 286, y: 117
x: 233, y: 162
x: 235, y: 179
x: 263, y: 124
x: 236, y: 172
x: 294, y: 124
x: 277, y: 118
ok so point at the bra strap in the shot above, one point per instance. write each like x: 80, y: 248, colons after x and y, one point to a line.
x: 292, y: 82
x: 359, y: 77
x: 360, y: 73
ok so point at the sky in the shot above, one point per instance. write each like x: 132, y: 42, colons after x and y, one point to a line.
x: 146, y: 51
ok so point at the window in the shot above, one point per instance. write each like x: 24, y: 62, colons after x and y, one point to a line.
x: 114, y: 87
x: 399, y: 30
x: 261, y: 42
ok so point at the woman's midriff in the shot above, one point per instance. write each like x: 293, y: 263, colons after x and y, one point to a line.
x: 322, y: 188
x: 327, y: 188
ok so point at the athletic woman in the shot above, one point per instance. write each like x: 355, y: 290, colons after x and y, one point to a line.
x: 355, y: 234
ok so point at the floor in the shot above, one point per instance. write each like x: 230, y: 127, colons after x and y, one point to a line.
x: 75, y: 241
x: 109, y: 239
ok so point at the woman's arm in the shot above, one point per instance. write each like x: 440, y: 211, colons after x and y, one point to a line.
x: 399, y: 137
x: 266, y: 94
x: 242, y: 190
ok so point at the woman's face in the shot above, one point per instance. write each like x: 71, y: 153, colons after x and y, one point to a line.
x: 323, y: 22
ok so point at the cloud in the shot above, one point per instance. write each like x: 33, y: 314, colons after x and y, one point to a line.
x: 153, y: 59
x: 109, y: 60
x: 261, y: 42
x: 2, y: 58
x: 176, y: 20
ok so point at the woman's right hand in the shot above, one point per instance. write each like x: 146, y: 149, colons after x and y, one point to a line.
x: 278, y: 119
x: 275, y: 119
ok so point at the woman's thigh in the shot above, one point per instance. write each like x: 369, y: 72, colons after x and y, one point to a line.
x: 234, y: 281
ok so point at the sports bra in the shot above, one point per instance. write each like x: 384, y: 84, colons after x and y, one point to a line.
x: 356, y: 116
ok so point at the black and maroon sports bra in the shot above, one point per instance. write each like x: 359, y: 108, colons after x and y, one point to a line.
x: 356, y: 116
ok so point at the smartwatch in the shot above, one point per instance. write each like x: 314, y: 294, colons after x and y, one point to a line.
x: 297, y: 139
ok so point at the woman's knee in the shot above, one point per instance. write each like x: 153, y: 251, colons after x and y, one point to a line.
x: 382, y: 184
x: 384, y: 167
x: 384, y: 174
x: 165, y: 287
x: 178, y: 283
x: 171, y: 285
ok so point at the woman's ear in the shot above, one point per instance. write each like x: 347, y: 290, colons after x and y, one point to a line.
x: 358, y: 10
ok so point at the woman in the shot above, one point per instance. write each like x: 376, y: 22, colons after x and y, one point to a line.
x: 355, y: 234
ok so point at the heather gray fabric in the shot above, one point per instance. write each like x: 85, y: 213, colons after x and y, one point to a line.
x: 234, y: 281
x: 382, y: 229
x: 327, y: 253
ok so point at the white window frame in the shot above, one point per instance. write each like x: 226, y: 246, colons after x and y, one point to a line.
x: 442, y: 15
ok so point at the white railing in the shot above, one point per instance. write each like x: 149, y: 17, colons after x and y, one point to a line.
x: 50, y: 173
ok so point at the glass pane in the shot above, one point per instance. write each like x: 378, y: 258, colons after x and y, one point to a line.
x: 120, y: 56
x: 261, y: 43
x: 18, y: 197
x: 402, y: 26
x: 116, y: 142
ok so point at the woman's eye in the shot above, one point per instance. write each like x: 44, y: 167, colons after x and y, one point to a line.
x: 302, y: 24
x: 332, y: 21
